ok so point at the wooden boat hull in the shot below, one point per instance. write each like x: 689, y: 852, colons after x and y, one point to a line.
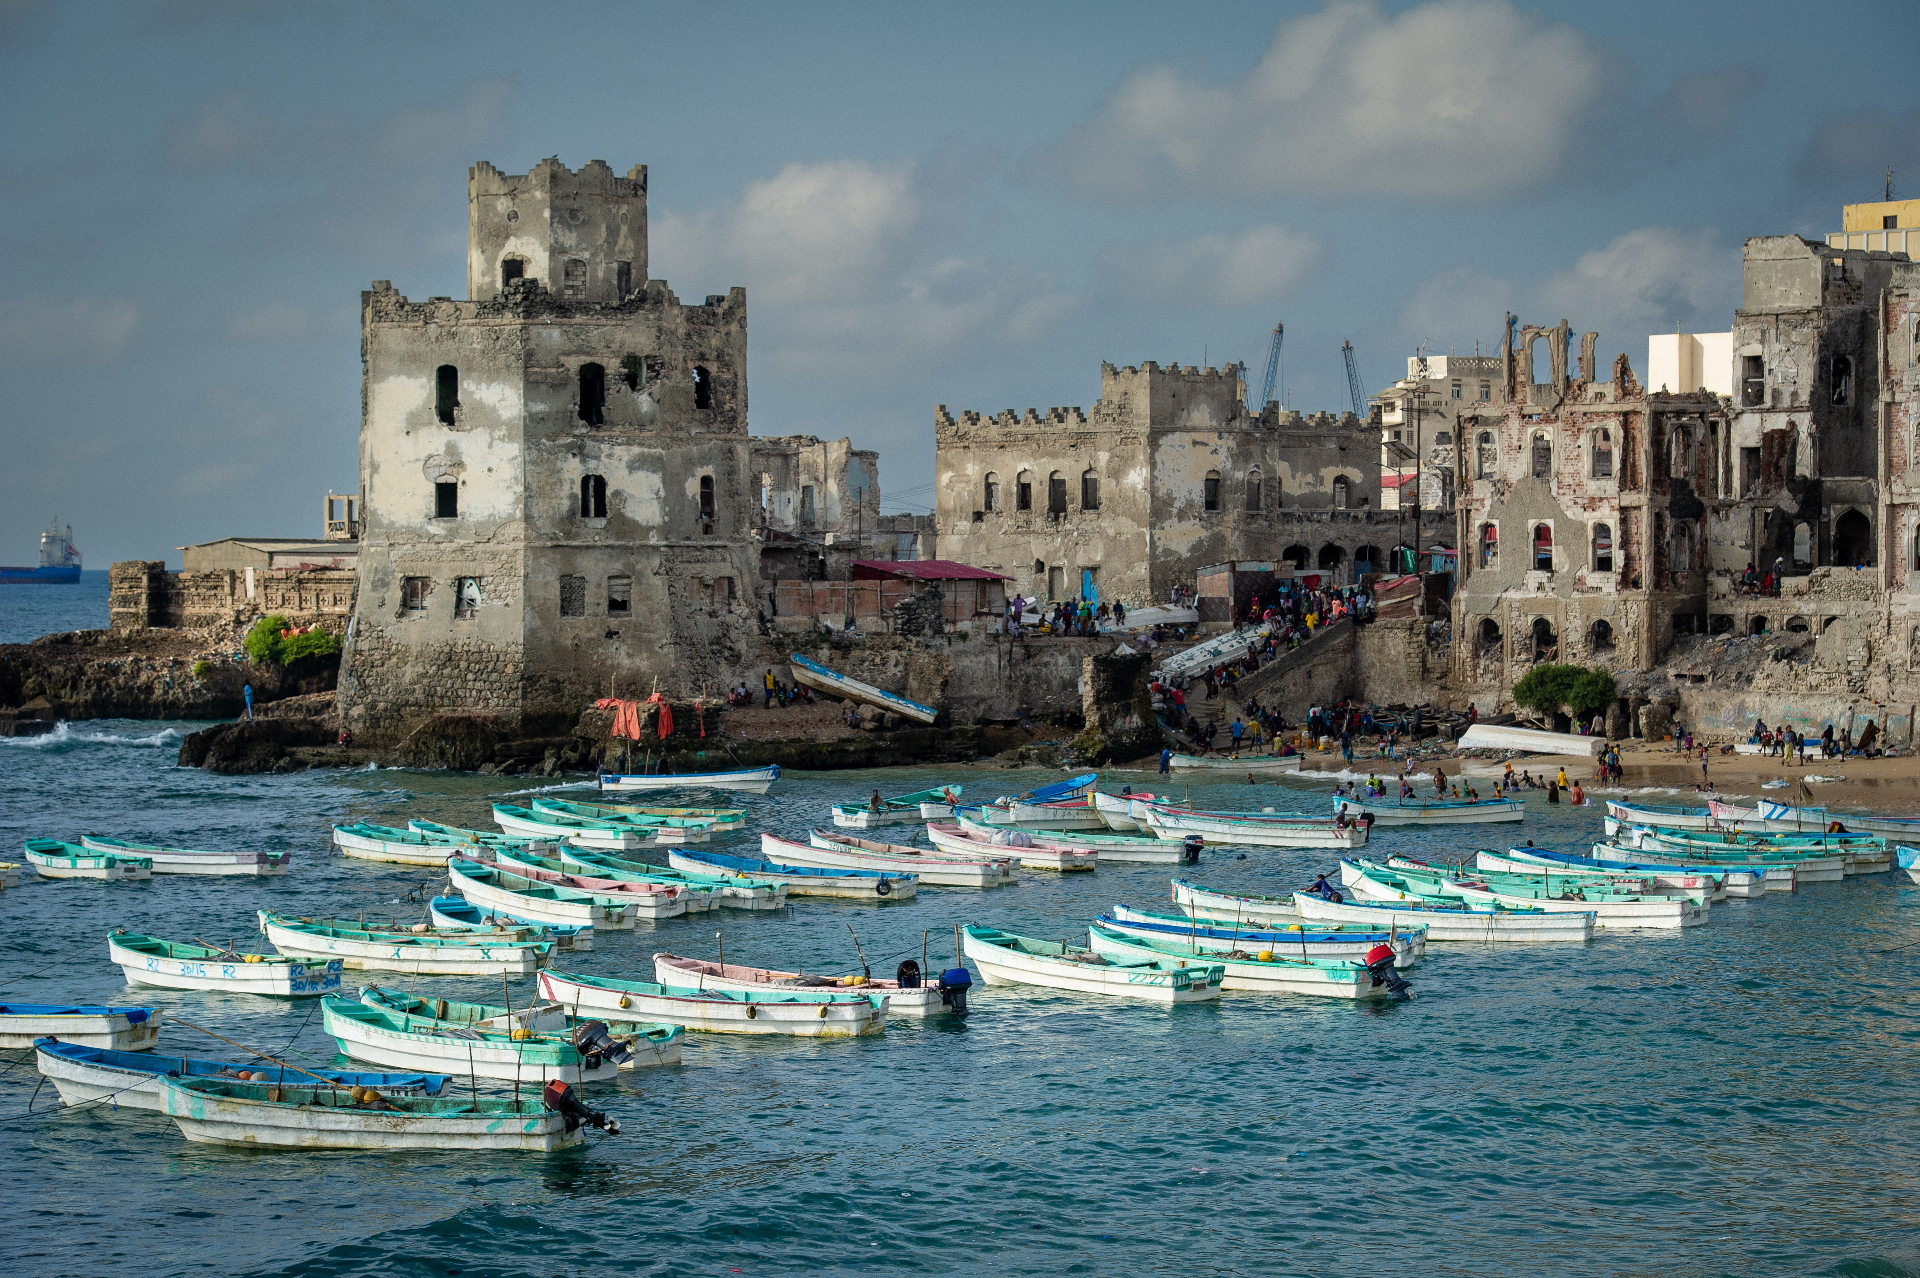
x: 132, y: 1080
x: 1116, y: 810
x: 1295, y: 939
x: 1277, y: 976
x: 607, y: 840
x: 854, y: 816
x: 1648, y: 913
x: 951, y: 840
x: 112, y: 869
x: 938, y: 861
x: 457, y: 914
x: 438, y: 1051
x: 1164, y: 982
x: 371, y: 954
x: 1735, y: 883
x: 1791, y: 872
x: 669, y: 969
x: 272, y: 978
x: 489, y: 893
x: 1171, y: 824
x: 716, y: 1011
x: 1490, y: 926
x: 186, y: 861
x: 1262, y: 763
x: 637, y: 895
x: 1039, y: 816
x: 246, y: 1117
x: 109, y: 1027
x: 747, y: 781
x: 368, y: 848
x: 727, y: 891
x: 832, y: 682
x: 1701, y: 888
x: 1414, y: 813
x: 658, y: 832
x: 827, y: 853
x: 846, y: 887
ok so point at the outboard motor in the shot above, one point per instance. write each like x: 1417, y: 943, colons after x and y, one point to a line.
x: 1380, y: 968
x: 594, y: 1044
x: 954, y: 984
x: 908, y: 974
x: 561, y: 1099
x: 1190, y: 848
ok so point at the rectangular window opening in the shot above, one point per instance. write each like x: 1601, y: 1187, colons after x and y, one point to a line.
x: 574, y: 282
x: 622, y: 280
x: 446, y: 500
x: 466, y: 599
x: 1023, y: 495
x: 619, y: 594
x: 593, y: 496
x: 446, y: 392
x: 413, y: 595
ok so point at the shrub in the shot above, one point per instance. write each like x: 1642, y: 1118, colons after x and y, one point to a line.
x: 1547, y: 688
x: 201, y: 669
x: 266, y: 646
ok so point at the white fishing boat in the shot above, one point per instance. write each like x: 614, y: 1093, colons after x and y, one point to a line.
x: 646, y: 896
x: 216, y: 1111
x: 719, y: 1011
x: 1691, y: 887
x: 1764, y: 817
x: 729, y: 891
x: 457, y: 914
x: 1261, y: 763
x: 52, y: 859
x: 749, y: 780
x: 1783, y: 874
x: 1264, y: 971
x: 660, y: 830
x: 9, y: 874
x: 367, y: 950
x: 1302, y: 909
x: 1737, y: 883
x: 1297, y: 939
x: 1017, y: 844
x: 397, y: 847
x: 628, y: 1044
x: 496, y: 889
x: 609, y: 836
x: 1251, y: 830
x: 1067, y: 814
x: 903, y: 809
x: 165, y: 860
x: 1006, y: 959
x: 1385, y: 811
x: 122, y: 1029
x: 1610, y: 910
x: 148, y: 960
x: 977, y: 867
x: 803, y: 880
x: 700, y: 974
x: 1116, y: 810
x: 534, y: 1047
x: 714, y: 820
x: 833, y: 683
x: 132, y: 1080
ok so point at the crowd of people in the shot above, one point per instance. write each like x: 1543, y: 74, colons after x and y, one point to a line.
x: 1786, y: 743
x: 1068, y: 617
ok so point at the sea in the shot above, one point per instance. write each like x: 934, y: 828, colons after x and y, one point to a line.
x: 1727, y: 1100
x: 29, y: 610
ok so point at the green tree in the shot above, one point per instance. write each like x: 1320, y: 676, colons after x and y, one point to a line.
x: 266, y: 647
x: 1547, y: 688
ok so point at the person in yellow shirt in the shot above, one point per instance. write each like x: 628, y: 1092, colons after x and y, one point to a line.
x: 1563, y: 778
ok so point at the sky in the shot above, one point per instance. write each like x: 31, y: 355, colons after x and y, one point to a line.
x: 969, y: 205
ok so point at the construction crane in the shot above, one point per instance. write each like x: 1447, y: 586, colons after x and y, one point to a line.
x: 1353, y: 381
x: 1273, y: 371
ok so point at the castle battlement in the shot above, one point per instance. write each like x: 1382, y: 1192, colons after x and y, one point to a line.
x: 1008, y: 419
x: 595, y: 177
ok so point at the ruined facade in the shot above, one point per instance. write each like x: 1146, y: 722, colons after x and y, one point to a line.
x: 557, y: 492
x: 1419, y: 426
x: 1169, y: 473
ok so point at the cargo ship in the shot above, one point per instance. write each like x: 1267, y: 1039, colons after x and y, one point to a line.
x: 59, y: 561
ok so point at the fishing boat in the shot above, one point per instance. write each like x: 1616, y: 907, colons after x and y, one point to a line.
x: 1909, y: 860
x: 465, y: 840
x: 902, y: 1000
x: 1251, y: 829
x: 131, y: 1080
x: 628, y: 1044
x: 833, y: 683
x: 1764, y: 817
x: 52, y: 859
x: 1857, y: 853
x: 1117, y: 810
x: 457, y: 914
x: 1004, y: 958
x: 803, y: 880
x: 717, y: 820
x: 847, y: 1015
x: 492, y: 888
x: 587, y: 832
x: 749, y: 780
x: 1059, y: 814
x: 1109, y: 847
x: 661, y: 829
x: 1442, y: 922
x: 1385, y: 811
x: 218, y: 1111
x: 166, y: 860
x: 122, y: 1029
x: 148, y: 960
x: 936, y: 861
x: 366, y: 950
x: 903, y: 809
x: 1296, y: 939
x: 9, y: 874
x: 1610, y: 910
x: 731, y: 891
x: 1739, y: 883
x: 1262, y: 970
x: 648, y: 896
x: 1706, y: 888
x: 368, y: 842
x: 512, y: 1050
x: 954, y: 840
x: 1263, y: 763
x: 1806, y: 869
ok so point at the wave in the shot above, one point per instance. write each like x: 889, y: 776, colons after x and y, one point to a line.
x: 546, y: 789
x: 64, y: 735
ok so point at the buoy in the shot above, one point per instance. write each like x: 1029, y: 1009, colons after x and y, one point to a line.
x: 625, y: 1002
x: 521, y: 1035
x: 823, y: 1012
x: 254, y: 958
x: 1265, y: 956
x: 753, y: 1013
x: 1293, y: 927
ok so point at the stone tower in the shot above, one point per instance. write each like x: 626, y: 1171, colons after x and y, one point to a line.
x: 555, y: 471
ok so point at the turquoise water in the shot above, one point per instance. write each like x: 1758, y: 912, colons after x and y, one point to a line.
x: 1728, y: 1101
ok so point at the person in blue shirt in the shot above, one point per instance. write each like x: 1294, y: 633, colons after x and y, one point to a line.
x: 247, y: 692
x: 1326, y: 891
x: 1166, y: 760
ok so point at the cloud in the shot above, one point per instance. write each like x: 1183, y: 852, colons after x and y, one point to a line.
x: 1848, y: 155
x: 1456, y: 307
x: 1700, y: 106
x: 1240, y: 268
x: 1653, y: 280
x: 218, y: 132
x: 77, y: 330
x: 1455, y: 100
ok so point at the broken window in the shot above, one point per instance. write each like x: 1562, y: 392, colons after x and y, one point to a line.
x: 1056, y: 493
x: 1679, y: 450
x: 702, y: 387
x: 593, y: 496
x: 1600, y: 637
x: 619, y: 594
x: 1680, y: 552
x: 413, y: 595
x: 622, y: 279
x: 1603, y: 454
x: 706, y: 497
x: 1039, y: 568
x: 573, y: 596
x: 1342, y: 493
x: 593, y: 394
x: 511, y: 269
x: 466, y: 598
x: 990, y: 498
x: 1442, y: 439
x: 1297, y: 555
x: 1749, y: 471
x: 1842, y: 379
x: 633, y: 371
x: 1542, y: 548
x: 1753, y: 381
x: 1023, y: 491
x: 1542, y: 455
x: 1489, y: 546
x: 446, y: 500
x: 1089, y: 490
x: 1602, y: 548
x: 1852, y: 540
x: 1803, y: 545
x: 806, y: 505
x: 1489, y: 635
x: 1486, y: 459
x: 446, y: 392
x: 574, y: 286
x: 1254, y: 494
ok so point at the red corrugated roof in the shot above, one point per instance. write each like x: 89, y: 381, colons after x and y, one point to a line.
x: 924, y: 570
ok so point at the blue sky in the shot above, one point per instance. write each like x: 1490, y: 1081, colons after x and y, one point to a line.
x: 969, y: 205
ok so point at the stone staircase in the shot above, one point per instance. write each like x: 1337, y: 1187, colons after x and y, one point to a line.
x: 1262, y: 682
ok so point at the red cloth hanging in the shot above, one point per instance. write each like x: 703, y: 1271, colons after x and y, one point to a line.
x: 666, y: 713
x: 700, y: 714
x: 626, y: 717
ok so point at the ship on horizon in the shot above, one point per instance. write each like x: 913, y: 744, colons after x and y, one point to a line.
x: 59, y: 561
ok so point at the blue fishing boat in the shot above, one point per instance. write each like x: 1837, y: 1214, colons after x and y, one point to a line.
x: 801, y: 880
x: 835, y: 684
x: 131, y: 1080
x: 456, y: 913
x: 753, y: 780
x: 59, y: 561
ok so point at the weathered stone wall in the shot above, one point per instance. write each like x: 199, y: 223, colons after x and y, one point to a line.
x: 142, y: 595
x: 1395, y: 663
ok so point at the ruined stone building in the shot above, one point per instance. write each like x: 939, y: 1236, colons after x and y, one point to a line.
x: 558, y: 496
x: 1169, y: 473
x: 1419, y: 422
x: 817, y: 506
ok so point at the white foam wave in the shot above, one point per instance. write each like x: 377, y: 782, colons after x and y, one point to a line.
x: 64, y: 734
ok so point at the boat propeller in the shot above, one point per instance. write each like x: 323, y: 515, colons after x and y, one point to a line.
x: 561, y: 1099
x: 594, y: 1044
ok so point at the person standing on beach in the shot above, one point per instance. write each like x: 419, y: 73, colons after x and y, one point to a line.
x: 1703, y: 765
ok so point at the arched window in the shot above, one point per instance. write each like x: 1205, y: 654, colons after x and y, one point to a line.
x: 1542, y: 450
x: 1542, y: 548
x: 1089, y: 490
x: 1546, y: 644
x: 446, y: 392
x: 1297, y: 555
x: 1367, y: 559
x: 1489, y: 635
x: 1255, y: 498
x: 1487, y: 458
x: 1603, y: 454
x: 1342, y: 493
x: 990, y: 499
x: 1756, y: 625
x: 1211, y: 491
x: 1803, y: 545
x: 1023, y: 490
x: 1600, y: 637
x: 1852, y: 540
x: 1489, y: 546
x: 1331, y: 557
x: 593, y: 394
x: 1056, y: 494
x: 702, y: 387
x: 1602, y: 548
x: 593, y: 496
